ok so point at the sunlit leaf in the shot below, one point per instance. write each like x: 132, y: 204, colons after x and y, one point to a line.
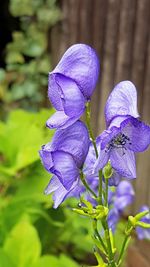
x: 5, y: 260
x: 23, y: 244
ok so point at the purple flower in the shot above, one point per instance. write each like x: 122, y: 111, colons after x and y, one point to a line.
x: 123, y: 197
x: 60, y: 193
x: 125, y: 133
x: 71, y: 84
x: 114, y: 179
x: 143, y: 233
x: 65, y: 155
x: 121, y: 102
x: 113, y: 218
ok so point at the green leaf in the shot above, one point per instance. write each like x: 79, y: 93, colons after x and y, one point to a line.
x: 2, y: 75
x: 32, y: 187
x: 66, y: 261
x: 47, y: 16
x: 5, y: 260
x: 27, y: 88
x: 20, y: 8
x: 14, y: 57
x: 35, y: 42
x: 53, y: 261
x: 47, y: 261
x: 28, y: 133
x: 23, y: 244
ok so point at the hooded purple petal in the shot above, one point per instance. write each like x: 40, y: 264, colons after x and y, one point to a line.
x: 60, y: 120
x: 121, y: 101
x: 55, y: 92
x: 60, y: 192
x: 90, y: 161
x: 65, y: 95
x: 64, y: 168
x: 73, y: 140
x: 103, y: 157
x: 46, y: 158
x: 123, y: 161
x: 138, y: 134
x: 80, y: 63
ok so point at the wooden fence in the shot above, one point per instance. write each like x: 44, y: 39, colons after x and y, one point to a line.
x: 119, y: 31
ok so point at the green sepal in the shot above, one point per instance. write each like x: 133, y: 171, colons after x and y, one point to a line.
x: 107, y: 171
x: 101, y: 211
x: 140, y: 215
x: 97, y: 212
x: 134, y: 221
x: 80, y: 211
x: 112, y: 241
x: 86, y: 203
x: 143, y: 225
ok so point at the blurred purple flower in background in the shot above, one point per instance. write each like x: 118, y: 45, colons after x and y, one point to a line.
x: 125, y: 134
x: 119, y: 200
x: 71, y: 84
x: 143, y: 233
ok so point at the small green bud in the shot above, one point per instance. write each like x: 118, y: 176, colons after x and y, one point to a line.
x: 132, y: 220
x: 107, y: 171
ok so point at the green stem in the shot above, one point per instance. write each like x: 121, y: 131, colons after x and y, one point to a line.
x: 106, y: 192
x: 111, y: 262
x: 86, y: 185
x: 100, y: 188
x: 105, y: 224
x: 88, y: 118
x: 123, y: 249
x: 98, y: 235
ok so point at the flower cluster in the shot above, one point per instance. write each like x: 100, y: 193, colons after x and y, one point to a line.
x: 73, y: 154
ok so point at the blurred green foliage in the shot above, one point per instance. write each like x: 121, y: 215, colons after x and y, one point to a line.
x: 24, y: 80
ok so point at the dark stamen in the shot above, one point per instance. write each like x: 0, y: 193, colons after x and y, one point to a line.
x: 119, y: 141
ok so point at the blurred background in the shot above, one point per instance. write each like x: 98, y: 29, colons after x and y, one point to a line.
x: 34, y: 34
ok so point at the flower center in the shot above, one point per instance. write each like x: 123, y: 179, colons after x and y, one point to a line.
x: 118, y: 141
